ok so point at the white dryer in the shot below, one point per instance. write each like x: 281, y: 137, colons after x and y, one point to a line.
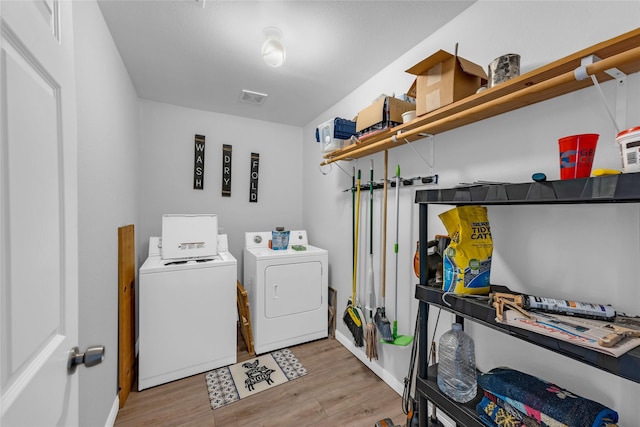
x: 187, y: 315
x: 287, y: 291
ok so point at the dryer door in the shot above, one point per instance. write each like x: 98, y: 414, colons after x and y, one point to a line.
x: 292, y: 288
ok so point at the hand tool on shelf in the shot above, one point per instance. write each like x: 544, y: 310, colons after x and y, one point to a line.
x: 550, y: 305
x: 623, y: 327
x: 502, y: 300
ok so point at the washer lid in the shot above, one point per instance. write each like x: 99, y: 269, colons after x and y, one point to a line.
x: 189, y: 236
x: 155, y: 246
x: 156, y: 264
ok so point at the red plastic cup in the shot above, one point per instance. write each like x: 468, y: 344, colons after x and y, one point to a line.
x: 576, y: 155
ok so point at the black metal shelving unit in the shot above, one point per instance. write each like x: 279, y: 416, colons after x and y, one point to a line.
x: 604, y: 189
x: 624, y: 188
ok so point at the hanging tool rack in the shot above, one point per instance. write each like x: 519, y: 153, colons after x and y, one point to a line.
x: 378, y: 185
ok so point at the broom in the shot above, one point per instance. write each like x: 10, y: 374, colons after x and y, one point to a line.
x: 351, y: 317
x: 403, y: 340
x: 382, y: 323
x: 371, y: 337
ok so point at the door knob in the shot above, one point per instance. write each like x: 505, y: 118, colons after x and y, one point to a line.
x: 91, y: 357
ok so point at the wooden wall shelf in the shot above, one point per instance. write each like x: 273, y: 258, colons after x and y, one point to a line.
x: 547, y: 82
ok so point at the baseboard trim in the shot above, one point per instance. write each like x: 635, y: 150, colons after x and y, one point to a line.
x: 384, y: 375
x: 377, y: 369
x: 111, y: 420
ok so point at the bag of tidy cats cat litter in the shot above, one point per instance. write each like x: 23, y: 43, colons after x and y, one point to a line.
x: 467, y: 259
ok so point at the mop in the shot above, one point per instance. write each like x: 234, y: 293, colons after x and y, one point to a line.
x: 353, y: 315
x: 403, y: 340
x: 382, y: 323
x: 371, y: 337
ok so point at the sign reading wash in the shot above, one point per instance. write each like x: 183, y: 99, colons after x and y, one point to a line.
x: 198, y: 163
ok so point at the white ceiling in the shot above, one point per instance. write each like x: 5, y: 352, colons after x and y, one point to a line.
x: 202, y: 53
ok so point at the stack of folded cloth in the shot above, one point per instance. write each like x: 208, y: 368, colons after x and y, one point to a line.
x: 515, y: 399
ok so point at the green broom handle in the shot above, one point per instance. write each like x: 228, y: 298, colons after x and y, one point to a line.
x: 383, y: 275
x: 395, y: 247
x: 370, y: 281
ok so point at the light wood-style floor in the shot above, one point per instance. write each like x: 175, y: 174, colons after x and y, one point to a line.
x: 338, y: 390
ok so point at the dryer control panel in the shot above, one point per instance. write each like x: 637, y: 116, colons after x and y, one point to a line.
x: 260, y: 239
x: 298, y: 237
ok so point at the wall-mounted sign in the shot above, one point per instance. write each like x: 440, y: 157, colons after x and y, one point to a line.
x: 198, y: 163
x: 226, y: 170
x: 253, y: 186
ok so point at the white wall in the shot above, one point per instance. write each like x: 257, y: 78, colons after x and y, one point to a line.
x: 136, y: 163
x: 107, y: 199
x: 166, y: 172
x: 578, y: 252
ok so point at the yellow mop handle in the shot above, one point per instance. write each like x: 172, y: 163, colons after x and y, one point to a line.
x: 355, y: 246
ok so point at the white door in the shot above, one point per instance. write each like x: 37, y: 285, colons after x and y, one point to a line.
x: 38, y: 214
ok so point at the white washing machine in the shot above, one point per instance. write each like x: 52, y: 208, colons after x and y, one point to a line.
x: 187, y: 315
x: 287, y: 290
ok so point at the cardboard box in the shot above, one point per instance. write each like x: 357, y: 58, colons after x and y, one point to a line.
x: 382, y: 114
x: 442, y: 79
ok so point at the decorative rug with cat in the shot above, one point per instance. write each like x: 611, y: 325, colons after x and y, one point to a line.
x: 235, y: 382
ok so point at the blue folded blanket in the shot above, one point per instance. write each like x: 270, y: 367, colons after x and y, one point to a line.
x: 486, y: 419
x: 494, y: 411
x: 547, y: 403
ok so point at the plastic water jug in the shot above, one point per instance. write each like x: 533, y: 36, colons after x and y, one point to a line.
x: 457, y: 365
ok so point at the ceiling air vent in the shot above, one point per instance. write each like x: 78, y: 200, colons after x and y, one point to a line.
x: 250, y: 97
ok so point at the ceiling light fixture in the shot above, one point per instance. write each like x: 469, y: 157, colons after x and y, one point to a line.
x: 273, y: 51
